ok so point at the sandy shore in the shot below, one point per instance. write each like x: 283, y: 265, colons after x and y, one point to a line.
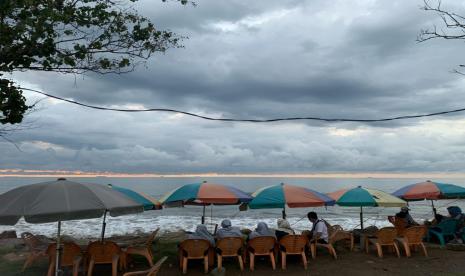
x: 439, y: 261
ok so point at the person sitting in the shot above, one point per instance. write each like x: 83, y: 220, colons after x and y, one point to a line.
x: 227, y: 230
x: 284, y: 228
x: 404, y: 214
x: 262, y: 230
x: 201, y: 232
x: 319, y: 232
x: 456, y: 213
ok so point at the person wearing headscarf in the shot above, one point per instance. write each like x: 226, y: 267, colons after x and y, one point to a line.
x: 262, y: 230
x: 227, y: 230
x: 284, y: 228
x: 201, y: 232
x: 455, y: 213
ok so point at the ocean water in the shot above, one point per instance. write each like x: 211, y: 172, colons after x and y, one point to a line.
x: 186, y: 218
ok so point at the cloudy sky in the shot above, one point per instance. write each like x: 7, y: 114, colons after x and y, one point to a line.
x: 262, y: 59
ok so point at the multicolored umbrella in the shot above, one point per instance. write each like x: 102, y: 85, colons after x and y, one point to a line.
x: 205, y: 194
x: 145, y: 200
x: 365, y: 197
x: 430, y: 190
x: 278, y: 196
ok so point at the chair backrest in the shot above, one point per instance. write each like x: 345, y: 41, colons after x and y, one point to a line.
x: 156, y: 267
x: 294, y: 244
x: 415, y: 234
x: 400, y: 225
x: 31, y: 241
x: 230, y: 245
x: 386, y: 235
x: 152, y: 236
x: 262, y: 245
x: 195, y: 248
x: 103, y: 252
x: 448, y: 226
x: 68, y: 255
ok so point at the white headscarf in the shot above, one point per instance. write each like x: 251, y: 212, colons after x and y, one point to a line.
x: 284, y: 226
x: 262, y: 230
x: 202, y: 233
x: 227, y: 230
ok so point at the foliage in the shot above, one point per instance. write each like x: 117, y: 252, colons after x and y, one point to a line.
x: 72, y: 36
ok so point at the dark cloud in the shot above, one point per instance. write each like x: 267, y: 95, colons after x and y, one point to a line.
x: 261, y: 60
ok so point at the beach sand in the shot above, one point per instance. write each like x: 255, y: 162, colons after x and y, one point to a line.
x: 439, y: 262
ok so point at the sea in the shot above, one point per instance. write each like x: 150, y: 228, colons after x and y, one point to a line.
x: 186, y: 218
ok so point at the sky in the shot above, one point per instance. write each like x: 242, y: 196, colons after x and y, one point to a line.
x: 261, y: 60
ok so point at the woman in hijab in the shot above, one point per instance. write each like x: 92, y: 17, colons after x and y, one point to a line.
x: 262, y: 230
x: 284, y: 228
x: 202, y: 233
x: 227, y: 230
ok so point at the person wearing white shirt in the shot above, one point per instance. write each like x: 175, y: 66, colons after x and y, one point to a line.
x: 319, y: 231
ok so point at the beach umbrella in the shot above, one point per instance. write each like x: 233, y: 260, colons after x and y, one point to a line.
x: 145, y: 200
x: 278, y: 196
x: 204, y: 194
x: 364, y: 197
x: 62, y: 200
x: 430, y: 190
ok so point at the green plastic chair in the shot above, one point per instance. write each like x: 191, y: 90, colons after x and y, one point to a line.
x: 442, y: 230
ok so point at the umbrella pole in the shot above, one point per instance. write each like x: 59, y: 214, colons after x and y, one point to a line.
x: 284, y: 212
x: 434, y: 209
x: 203, y: 215
x: 58, y: 253
x: 361, y: 217
x: 104, y: 225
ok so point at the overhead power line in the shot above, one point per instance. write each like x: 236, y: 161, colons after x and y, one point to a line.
x: 249, y: 120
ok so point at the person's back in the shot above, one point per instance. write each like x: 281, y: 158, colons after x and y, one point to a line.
x: 262, y: 230
x: 201, y: 232
x: 227, y: 230
x: 319, y: 231
x: 284, y: 228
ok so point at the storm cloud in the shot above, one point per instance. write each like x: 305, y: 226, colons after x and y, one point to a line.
x: 261, y: 60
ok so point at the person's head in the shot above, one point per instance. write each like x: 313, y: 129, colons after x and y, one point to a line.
x: 404, y: 209
x: 312, y: 216
x: 282, y: 223
x: 261, y: 227
x: 454, y: 211
x: 226, y: 223
x: 201, y: 229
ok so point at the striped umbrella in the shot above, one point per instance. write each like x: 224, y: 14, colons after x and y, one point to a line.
x: 278, y: 196
x: 205, y: 194
x: 430, y: 190
x: 145, y: 200
x: 365, y: 197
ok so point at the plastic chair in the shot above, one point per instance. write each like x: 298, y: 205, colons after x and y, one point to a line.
x: 193, y: 249
x: 71, y: 255
x: 413, y: 236
x: 336, y: 233
x: 293, y: 245
x: 230, y: 247
x: 144, y: 249
x: 261, y: 246
x: 399, y: 224
x: 442, y: 230
x: 384, y: 237
x: 37, y: 249
x: 106, y: 252
x: 150, y: 272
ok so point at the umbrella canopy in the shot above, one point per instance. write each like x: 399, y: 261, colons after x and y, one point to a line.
x: 205, y: 194
x: 278, y: 196
x: 63, y: 200
x: 363, y: 197
x: 430, y: 190
x: 366, y: 197
x: 147, y: 201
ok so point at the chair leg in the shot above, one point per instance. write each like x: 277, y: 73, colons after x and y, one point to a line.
x: 90, y: 268
x: 30, y: 259
x: 304, y: 260
x: 205, y: 263
x: 114, y: 268
x: 76, y: 269
x: 220, y: 261
x: 397, y: 250
x: 380, y: 250
x: 252, y: 261
x: 273, y: 262
x: 283, y: 260
x: 407, y: 249
x: 149, y: 258
x: 184, y: 265
x: 241, y: 263
x: 367, y: 246
x: 441, y: 240
x: 424, y: 249
x: 333, y: 252
x: 51, y: 268
x: 313, y: 250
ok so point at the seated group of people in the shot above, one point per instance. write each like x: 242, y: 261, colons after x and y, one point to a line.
x: 455, y: 213
x: 319, y: 231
